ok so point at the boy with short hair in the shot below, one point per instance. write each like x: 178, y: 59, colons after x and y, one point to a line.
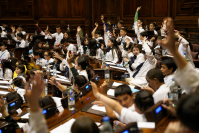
x: 4, y: 25
x: 155, y: 78
x: 120, y: 24
x: 20, y: 30
x: 168, y: 67
x: 58, y: 35
x: 20, y: 43
x: 124, y: 96
x: 4, y: 54
x: 123, y: 37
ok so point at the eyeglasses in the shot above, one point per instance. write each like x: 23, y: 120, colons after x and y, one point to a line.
x: 45, y: 55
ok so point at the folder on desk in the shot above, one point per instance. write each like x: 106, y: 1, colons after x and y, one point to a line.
x: 93, y: 109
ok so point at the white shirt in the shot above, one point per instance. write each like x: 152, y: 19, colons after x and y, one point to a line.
x: 185, y: 48
x: 58, y: 37
x: 140, y: 59
x: 63, y: 65
x: 8, y: 74
x: 155, y: 32
x: 99, y: 53
x: 2, y: 28
x: 50, y: 61
x: 128, y: 116
x: 23, y: 43
x: 132, y: 108
x: 84, y: 73
x: 123, y: 39
x: 4, y: 55
x: 187, y: 78
x: 168, y: 79
x: 161, y: 93
x: 99, y: 38
x: 150, y: 63
x: 3, y: 34
x: 137, y: 32
x: 109, y: 55
x: 70, y: 47
x: 45, y: 36
x: 42, y: 60
x: 23, y: 32
x: 37, y: 123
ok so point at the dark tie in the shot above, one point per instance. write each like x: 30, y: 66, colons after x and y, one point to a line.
x: 108, y: 49
x: 138, y: 69
x: 18, y: 43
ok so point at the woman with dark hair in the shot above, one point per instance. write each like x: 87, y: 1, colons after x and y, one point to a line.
x: 46, y: 101
x: 67, y: 35
x: 37, y: 45
x: 84, y: 124
x: 31, y: 43
x: 7, y: 69
x: 93, y: 47
x: 112, y: 48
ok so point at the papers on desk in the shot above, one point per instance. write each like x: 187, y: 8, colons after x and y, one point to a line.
x: 58, y: 103
x: 4, y: 92
x: 119, y: 68
x: 115, y: 84
x: 64, y: 81
x: 5, y: 82
x: 98, y: 108
x: 56, y: 71
x: 66, y: 127
x: 26, y: 116
x: 111, y: 92
x: 4, y: 87
x: 146, y: 124
x: 62, y: 77
x: 111, y: 63
x: 21, y: 124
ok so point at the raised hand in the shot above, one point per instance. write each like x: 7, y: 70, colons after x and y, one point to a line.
x: 34, y: 94
x: 104, y: 28
x: 95, y: 89
x: 12, y: 28
x: 27, y: 35
x: 78, y: 29
x: 69, y: 60
x: 52, y: 81
x: 11, y: 89
x: 104, y: 88
x: 102, y: 18
x: 144, y: 40
x: 138, y: 8
x: 96, y: 24
x: 47, y: 27
x: 152, y: 39
x: 169, y: 42
x: 2, y: 107
x: 36, y: 24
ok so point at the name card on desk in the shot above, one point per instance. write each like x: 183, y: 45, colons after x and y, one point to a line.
x: 111, y: 63
x: 115, y: 84
x: 64, y: 81
x: 26, y: 116
x: 98, y: 108
x: 4, y: 92
x: 119, y: 68
x: 111, y: 92
x: 5, y: 82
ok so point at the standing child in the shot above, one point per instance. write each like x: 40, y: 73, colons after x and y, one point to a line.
x: 58, y: 35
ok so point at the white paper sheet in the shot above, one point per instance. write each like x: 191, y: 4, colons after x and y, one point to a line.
x: 21, y: 124
x: 4, y: 92
x: 115, y: 84
x: 120, y: 68
x: 63, y: 80
x: 62, y: 77
x: 146, y: 124
x: 56, y: 71
x: 111, y: 92
x: 26, y: 116
x: 98, y: 108
x: 110, y: 63
x: 5, y: 82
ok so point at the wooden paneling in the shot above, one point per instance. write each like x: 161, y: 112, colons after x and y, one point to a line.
x: 86, y: 12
